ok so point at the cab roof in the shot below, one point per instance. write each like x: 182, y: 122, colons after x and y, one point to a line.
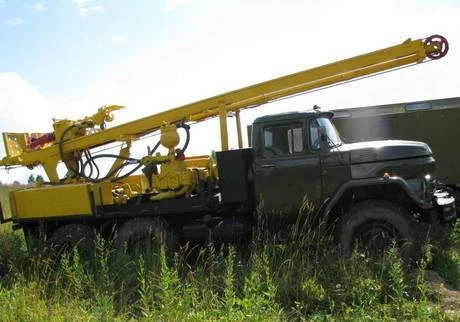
x: 293, y: 116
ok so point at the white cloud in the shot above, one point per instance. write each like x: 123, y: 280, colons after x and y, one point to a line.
x: 39, y: 6
x: 118, y: 39
x: 22, y: 106
x: 84, y: 8
x: 173, y: 4
x: 81, y: 3
x: 14, y: 21
x: 85, y: 11
x: 23, y: 109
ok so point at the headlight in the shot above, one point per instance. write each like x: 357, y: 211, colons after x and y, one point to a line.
x: 429, y: 186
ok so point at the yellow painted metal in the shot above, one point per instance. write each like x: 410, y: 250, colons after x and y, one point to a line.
x: 174, y: 176
x: 128, y: 188
x: 169, y: 137
x: 204, y: 167
x: 50, y: 166
x: 198, y: 161
x: 103, y: 115
x: 124, y: 153
x: 174, y: 179
x: 238, y: 129
x: 60, y: 126
x: 15, y: 143
x: 102, y: 192
x: 409, y: 52
x: 59, y: 201
x: 223, y: 127
x: 137, y: 183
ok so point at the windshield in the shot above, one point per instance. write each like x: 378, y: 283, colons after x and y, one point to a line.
x: 333, y: 138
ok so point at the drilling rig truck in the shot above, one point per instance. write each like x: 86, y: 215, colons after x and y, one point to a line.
x: 372, y: 192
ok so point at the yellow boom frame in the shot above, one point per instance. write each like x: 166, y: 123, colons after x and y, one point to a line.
x: 409, y: 52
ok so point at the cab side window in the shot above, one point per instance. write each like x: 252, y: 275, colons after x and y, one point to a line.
x: 282, y: 140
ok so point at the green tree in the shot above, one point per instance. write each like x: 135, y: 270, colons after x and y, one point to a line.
x: 39, y: 179
x: 31, y: 179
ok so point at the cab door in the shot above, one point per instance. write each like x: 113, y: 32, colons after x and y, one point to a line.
x: 287, y: 171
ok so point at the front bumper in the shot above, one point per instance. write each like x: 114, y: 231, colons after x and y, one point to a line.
x: 445, y: 205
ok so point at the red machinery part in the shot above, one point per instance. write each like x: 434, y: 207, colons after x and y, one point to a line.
x: 38, y: 142
x: 180, y: 155
x: 442, y: 43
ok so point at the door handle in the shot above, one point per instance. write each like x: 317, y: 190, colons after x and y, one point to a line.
x: 268, y: 165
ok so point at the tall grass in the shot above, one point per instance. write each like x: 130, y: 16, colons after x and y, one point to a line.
x: 302, y: 278
x: 446, y: 259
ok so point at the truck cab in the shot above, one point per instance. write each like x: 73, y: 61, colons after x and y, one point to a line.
x: 289, y: 159
x: 300, y: 158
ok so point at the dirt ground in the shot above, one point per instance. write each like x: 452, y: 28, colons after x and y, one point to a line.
x: 445, y: 295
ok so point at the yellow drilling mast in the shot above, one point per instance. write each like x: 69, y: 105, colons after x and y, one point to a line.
x: 19, y: 151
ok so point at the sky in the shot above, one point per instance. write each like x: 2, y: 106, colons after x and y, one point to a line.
x: 66, y: 58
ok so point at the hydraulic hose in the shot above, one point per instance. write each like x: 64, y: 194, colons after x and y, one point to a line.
x: 61, y: 152
x: 187, y: 137
x: 90, y: 163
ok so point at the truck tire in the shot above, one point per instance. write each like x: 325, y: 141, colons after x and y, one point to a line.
x: 32, y: 239
x: 374, y: 226
x: 144, y: 237
x: 72, y: 236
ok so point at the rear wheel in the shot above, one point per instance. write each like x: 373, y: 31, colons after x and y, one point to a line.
x: 32, y: 239
x: 68, y: 237
x: 144, y: 238
x: 374, y: 226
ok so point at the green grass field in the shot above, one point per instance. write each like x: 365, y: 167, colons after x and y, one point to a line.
x: 304, y: 279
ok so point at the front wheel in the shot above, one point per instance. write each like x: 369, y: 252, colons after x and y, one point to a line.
x: 374, y: 226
